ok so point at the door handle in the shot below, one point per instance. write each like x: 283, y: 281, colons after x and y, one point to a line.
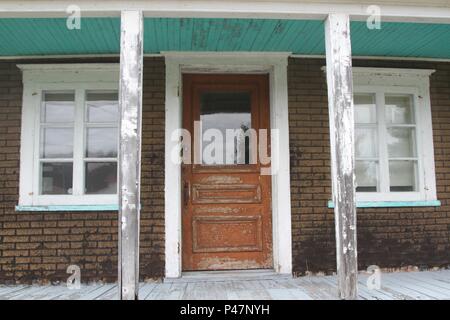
x: 186, y: 193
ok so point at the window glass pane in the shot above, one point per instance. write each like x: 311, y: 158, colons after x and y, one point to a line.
x: 56, y: 178
x: 56, y: 143
x: 221, y: 111
x: 102, y: 106
x: 399, y: 109
x: 402, y: 175
x: 401, y: 142
x: 101, y: 143
x: 101, y: 178
x: 366, y: 142
x: 58, y: 107
x: 365, y: 108
x: 101, y: 96
x: 366, y: 176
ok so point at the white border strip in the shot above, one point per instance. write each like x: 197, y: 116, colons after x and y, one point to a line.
x: 318, y: 56
x: 436, y: 11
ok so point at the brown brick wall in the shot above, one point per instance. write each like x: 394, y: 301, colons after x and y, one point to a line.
x: 40, y: 245
x: 152, y: 190
x: 388, y: 237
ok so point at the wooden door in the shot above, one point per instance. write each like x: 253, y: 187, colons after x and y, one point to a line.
x: 226, y: 200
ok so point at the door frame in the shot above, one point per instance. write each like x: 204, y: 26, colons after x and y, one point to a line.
x: 274, y: 64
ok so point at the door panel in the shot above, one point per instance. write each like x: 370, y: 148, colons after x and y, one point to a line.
x: 226, y: 233
x: 226, y: 193
x: 227, y: 202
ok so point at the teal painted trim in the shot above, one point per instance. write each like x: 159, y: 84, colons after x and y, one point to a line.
x: 96, y: 207
x: 392, y: 204
x: 50, y: 36
x: 101, y: 35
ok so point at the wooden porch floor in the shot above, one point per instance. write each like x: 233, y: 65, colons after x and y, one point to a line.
x: 427, y: 285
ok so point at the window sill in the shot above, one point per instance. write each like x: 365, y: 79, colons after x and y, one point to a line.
x: 392, y: 204
x: 96, y: 207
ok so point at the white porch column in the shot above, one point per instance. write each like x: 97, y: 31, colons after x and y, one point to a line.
x: 340, y: 105
x: 130, y: 103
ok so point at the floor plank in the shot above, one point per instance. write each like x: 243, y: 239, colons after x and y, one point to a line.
x: 426, y: 285
x: 4, y: 290
x: 146, y: 289
x: 430, y: 284
x: 416, y: 286
x: 400, y: 287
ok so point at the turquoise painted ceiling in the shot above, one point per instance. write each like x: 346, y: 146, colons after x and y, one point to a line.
x: 50, y: 36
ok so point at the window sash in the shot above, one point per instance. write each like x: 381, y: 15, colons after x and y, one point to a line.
x: 97, y: 125
x: 384, y: 193
x: 79, y: 125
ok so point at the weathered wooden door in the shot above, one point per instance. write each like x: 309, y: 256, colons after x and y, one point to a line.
x: 226, y: 198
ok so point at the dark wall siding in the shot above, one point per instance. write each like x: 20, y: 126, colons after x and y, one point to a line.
x: 152, y: 190
x: 388, y: 237
x: 40, y: 245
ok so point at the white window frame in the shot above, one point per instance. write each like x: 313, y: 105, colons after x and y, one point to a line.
x: 79, y: 78
x: 381, y: 81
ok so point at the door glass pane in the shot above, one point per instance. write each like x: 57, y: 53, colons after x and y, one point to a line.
x: 56, y: 143
x: 399, y: 109
x: 402, y: 175
x: 365, y: 108
x: 366, y: 176
x: 401, y: 142
x: 225, y: 120
x: 101, y: 143
x: 101, y: 177
x: 102, y: 106
x: 57, y: 107
x: 56, y: 178
x: 366, y: 142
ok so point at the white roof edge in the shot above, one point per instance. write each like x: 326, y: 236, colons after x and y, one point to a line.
x: 68, y: 66
x: 232, y: 54
x: 398, y: 10
x: 386, y: 71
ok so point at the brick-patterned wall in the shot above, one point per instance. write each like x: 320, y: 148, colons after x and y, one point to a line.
x: 388, y: 237
x: 152, y: 183
x: 40, y: 245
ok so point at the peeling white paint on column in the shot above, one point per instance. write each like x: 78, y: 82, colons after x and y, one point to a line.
x: 130, y: 101
x: 340, y: 105
x: 124, y: 223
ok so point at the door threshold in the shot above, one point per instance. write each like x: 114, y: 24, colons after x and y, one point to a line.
x: 228, y: 275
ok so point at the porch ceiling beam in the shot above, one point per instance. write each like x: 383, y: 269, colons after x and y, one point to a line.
x: 130, y: 102
x: 340, y: 106
x: 433, y: 11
